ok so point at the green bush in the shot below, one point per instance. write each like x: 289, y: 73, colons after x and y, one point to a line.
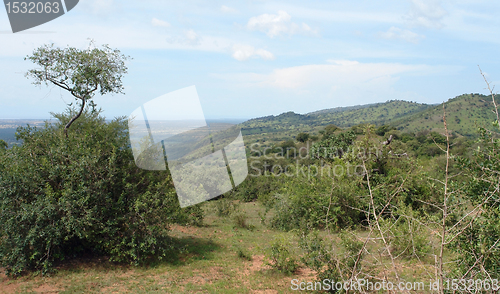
x: 328, y: 131
x: 3, y: 145
x: 409, y: 237
x: 302, y: 137
x: 382, y: 130
x: 63, y: 196
x: 481, y: 237
x: 243, y: 254
x: 331, y: 260
x: 254, y: 186
x: 225, y: 207
x: 280, y: 257
x: 310, y: 201
x: 333, y: 146
x: 240, y: 221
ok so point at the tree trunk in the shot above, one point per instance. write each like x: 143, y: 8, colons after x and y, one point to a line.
x: 74, y: 118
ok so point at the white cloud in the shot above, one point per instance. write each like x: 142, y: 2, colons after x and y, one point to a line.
x: 338, y: 82
x: 160, y: 23
x: 244, y: 52
x: 277, y: 24
x: 226, y: 9
x: 395, y: 33
x: 341, y: 74
x: 192, y: 37
x: 342, y: 61
x: 426, y: 13
x: 337, y: 74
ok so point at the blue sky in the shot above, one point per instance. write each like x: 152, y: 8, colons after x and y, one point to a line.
x: 256, y: 58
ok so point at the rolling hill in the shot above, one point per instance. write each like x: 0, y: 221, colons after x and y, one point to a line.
x: 272, y: 129
x: 465, y: 113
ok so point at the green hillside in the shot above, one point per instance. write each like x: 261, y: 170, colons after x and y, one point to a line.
x: 464, y: 113
x: 340, y: 109
x: 271, y: 129
x: 278, y: 128
x: 379, y: 114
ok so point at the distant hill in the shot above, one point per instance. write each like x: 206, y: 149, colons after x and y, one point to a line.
x: 379, y: 114
x: 464, y: 114
x: 340, y: 109
x: 287, y: 125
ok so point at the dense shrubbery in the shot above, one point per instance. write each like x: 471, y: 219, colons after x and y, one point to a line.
x: 332, y: 194
x: 482, y: 237
x: 410, y: 200
x: 256, y: 186
x: 333, y: 146
x: 63, y: 196
x: 332, y: 263
x: 315, y: 202
x: 280, y: 257
x: 302, y: 137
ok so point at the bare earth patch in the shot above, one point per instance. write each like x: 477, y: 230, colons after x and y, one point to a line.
x: 267, y: 291
x: 7, y: 285
x: 46, y: 289
x: 188, y: 230
x: 258, y: 263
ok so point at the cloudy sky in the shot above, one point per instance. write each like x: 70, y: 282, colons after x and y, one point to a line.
x: 255, y: 58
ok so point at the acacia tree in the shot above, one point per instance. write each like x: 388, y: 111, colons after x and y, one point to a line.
x: 83, y: 73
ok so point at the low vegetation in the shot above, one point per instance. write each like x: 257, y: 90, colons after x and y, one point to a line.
x: 329, y: 195
x: 64, y: 197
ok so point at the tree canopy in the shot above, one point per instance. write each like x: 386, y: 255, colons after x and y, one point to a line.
x: 82, y: 72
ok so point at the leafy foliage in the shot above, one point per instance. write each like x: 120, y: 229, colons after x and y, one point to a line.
x: 225, y: 207
x: 313, y: 202
x: 61, y: 197
x: 80, y: 72
x: 333, y: 263
x: 280, y: 256
x: 333, y: 146
x: 480, y: 242
x: 302, y: 137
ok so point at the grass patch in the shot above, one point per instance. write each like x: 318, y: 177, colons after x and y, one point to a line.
x: 221, y: 256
